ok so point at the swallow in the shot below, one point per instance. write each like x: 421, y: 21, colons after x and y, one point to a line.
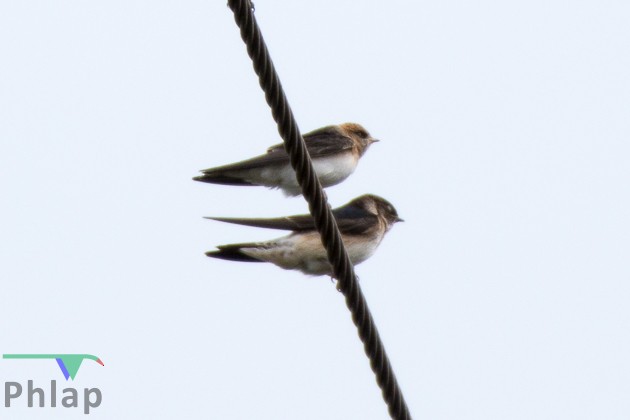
x: 335, y: 151
x: 363, y: 223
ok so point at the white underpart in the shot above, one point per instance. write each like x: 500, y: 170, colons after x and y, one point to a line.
x: 331, y: 170
x: 305, y: 252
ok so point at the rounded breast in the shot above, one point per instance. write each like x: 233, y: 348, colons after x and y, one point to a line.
x: 332, y: 170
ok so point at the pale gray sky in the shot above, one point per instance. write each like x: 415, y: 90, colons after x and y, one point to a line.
x: 505, y: 146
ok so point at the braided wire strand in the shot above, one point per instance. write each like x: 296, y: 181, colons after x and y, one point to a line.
x: 325, y: 222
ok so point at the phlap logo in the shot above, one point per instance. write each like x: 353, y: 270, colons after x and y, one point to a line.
x: 69, y: 365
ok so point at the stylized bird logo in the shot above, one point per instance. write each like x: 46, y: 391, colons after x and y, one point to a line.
x: 69, y: 363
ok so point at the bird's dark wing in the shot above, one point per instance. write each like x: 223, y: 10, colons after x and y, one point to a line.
x: 350, y: 220
x: 278, y: 157
x: 353, y: 220
x: 295, y: 223
x: 322, y: 142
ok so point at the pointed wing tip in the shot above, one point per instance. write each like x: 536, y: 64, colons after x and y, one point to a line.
x: 217, y: 219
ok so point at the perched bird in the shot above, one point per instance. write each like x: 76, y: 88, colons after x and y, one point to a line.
x: 363, y: 223
x: 335, y: 151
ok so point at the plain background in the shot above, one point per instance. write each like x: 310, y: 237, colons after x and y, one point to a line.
x: 505, y: 146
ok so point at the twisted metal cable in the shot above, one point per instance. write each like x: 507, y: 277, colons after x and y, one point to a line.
x: 325, y: 222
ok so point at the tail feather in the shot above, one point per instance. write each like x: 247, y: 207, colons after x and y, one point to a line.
x: 232, y: 253
x: 218, y: 178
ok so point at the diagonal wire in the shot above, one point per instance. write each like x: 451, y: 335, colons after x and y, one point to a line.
x: 320, y: 209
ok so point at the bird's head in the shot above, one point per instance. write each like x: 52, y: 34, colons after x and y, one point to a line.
x: 359, y: 134
x: 379, y: 207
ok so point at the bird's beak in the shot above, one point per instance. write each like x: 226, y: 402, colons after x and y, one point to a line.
x: 374, y: 140
x: 398, y: 219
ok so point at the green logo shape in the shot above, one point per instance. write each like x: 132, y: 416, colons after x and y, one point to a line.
x: 68, y: 363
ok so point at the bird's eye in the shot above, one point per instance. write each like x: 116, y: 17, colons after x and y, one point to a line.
x: 362, y: 134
